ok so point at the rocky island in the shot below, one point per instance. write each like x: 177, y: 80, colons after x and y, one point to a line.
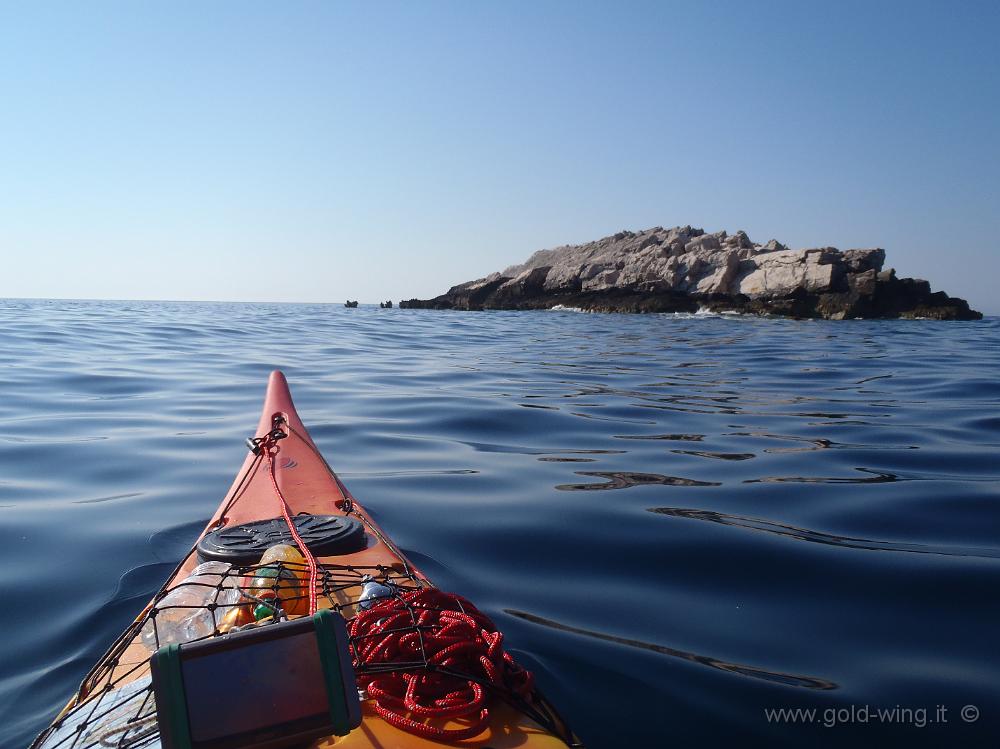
x: 685, y: 270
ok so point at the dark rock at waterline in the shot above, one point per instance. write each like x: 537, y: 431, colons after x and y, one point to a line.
x: 684, y: 269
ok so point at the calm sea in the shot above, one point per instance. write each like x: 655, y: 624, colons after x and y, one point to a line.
x: 682, y: 524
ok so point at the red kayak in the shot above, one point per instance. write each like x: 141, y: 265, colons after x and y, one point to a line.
x: 429, y: 667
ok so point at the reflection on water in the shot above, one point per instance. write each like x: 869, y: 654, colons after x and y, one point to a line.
x: 798, y: 447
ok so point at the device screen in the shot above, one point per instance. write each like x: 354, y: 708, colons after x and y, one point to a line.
x: 273, y: 683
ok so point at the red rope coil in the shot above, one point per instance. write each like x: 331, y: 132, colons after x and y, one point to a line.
x: 430, y: 636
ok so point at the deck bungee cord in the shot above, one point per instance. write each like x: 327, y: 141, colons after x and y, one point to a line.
x: 268, y: 445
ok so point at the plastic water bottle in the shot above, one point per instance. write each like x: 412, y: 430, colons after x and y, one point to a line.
x: 374, y: 592
x: 182, y: 616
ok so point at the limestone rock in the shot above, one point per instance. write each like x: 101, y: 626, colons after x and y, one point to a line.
x: 682, y: 268
x: 859, y: 261
x: 780, y: 273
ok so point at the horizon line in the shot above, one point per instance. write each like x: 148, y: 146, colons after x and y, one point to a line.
x: 986, y: 315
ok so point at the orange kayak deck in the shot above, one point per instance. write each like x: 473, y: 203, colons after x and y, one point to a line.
x: 309, y: 486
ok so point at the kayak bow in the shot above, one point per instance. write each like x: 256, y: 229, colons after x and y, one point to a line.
x: 359, y: 572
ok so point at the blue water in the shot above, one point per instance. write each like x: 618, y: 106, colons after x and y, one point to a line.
x: 679, y: 523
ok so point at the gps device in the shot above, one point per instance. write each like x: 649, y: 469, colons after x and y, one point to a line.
x: 271, y: 686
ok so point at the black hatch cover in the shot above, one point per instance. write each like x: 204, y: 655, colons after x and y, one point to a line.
x: 243, y: 545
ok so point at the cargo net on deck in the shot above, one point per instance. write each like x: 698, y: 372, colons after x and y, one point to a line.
x: 427, y: 662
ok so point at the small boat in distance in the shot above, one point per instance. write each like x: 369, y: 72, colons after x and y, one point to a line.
x: 385, y: 305
x: 351, y: 304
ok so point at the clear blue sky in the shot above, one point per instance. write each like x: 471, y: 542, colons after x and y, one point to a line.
x: 317, y: 150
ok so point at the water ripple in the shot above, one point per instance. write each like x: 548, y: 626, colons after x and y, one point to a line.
x: 674, y: 437
x: 803, y: 534
x: 817, y: 443
x: 716, y: 456
x: 876, y: 477
x: 625, y: 480
x: 792, y: 680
